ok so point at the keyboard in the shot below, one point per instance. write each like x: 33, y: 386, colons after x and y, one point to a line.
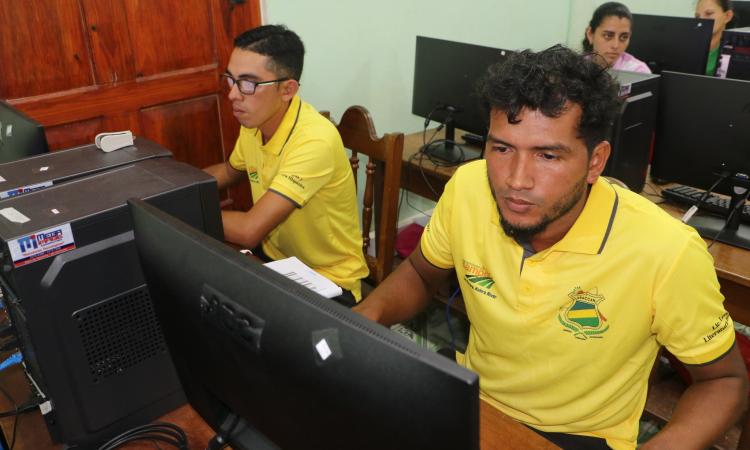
x: 687, y: 195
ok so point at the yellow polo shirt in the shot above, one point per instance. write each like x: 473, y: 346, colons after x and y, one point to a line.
x: 564, y: 339
x: 305, y: 162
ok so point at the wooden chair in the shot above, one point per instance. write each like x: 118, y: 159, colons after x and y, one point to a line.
x: 381, y: 186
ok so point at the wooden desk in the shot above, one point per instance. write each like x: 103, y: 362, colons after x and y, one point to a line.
x: 497, y: 431
x: 422, y: 177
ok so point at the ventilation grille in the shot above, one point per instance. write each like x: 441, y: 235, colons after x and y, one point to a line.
x: 119, y: 333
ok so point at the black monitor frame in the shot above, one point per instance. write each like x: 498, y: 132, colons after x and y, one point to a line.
x: 20, y: 135
x: 677, y: 44
x: 445, y: 77
x: 246, y: 343
x: 702, y: 134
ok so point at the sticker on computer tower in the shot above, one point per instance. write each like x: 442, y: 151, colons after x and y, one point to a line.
x: 42, y: 244
x: 24, y: 189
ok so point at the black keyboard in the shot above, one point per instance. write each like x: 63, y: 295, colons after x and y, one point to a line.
x: 687, y: 195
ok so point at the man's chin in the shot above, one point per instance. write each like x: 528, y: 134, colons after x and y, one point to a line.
x: 522, y: 231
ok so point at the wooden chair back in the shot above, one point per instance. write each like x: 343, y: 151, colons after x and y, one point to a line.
x: 381, y: 185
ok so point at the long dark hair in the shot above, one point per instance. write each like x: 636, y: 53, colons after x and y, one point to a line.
x: 602, y: 12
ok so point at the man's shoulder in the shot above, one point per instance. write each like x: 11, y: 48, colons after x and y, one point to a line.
x: 652, y: 223
x: 471, y: 170
x: 312, y: 124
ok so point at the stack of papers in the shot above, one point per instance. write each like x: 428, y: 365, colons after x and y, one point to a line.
x: 297, y: 271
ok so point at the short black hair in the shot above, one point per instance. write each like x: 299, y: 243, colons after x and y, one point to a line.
x: 546, y: 81
x: 602, y: 12
x: 283, y: 47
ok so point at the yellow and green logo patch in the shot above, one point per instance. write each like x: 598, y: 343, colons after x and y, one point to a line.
x: 581, y: 316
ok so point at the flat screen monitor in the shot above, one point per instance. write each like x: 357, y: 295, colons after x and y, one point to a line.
x: 702, y: 130
x: 679, y: 44
x: 20, y: 136
x: 445, y: 78
x: 286, y: 368
x: 741, y: 14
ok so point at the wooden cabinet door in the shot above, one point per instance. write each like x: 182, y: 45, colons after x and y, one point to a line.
x: 81, y: 67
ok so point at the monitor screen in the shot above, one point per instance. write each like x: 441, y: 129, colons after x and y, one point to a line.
x: 258, y: 352
x: 703, y: 127
x: 678, y: 44
x: 445, y: 78
x: 20, y: 136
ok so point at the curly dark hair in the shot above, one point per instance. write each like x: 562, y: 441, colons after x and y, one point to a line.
x: 282, y: 45
x: 547, y: 81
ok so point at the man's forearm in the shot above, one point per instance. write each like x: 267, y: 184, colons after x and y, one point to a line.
x: 705, y: 411
x: 239, y: 230
x: 400, y: 297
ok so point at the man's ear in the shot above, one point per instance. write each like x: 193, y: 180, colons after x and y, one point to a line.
x: 288, y: 89
x: 598, y: 161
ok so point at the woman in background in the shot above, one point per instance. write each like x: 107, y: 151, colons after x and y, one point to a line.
x: 608, y: 36
x: 722, y: 13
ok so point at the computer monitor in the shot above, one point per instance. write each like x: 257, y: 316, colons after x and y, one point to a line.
x: 702, y: 131
x: 445, y: 77
x: 678, y: 44
x: 260, y: 353
x: 741, y: 18
x: 20, y: 136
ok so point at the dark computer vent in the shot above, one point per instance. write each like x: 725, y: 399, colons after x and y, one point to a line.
x: 119, y: 333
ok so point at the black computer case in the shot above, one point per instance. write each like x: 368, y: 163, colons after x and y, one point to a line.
x: 38, y: 172
x: 77, y: 297
x: 735, y: 54
x: 633, y: 129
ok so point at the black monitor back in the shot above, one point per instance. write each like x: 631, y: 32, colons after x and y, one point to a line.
x: 20, y: 135
x: 445, y: 74
x: 77, y: 298
x: 45, y: 170
x: 678, y: 44
x: 633, y: 129
x: 248, y: 341
x: 702, y: 126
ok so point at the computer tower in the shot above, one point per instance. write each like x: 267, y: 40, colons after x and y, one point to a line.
x: 78, y: 301
x: 633, y: 130
x: 734, y: 61
x: 38, y: 172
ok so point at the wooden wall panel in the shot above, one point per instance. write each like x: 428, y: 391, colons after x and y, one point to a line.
x: 81, y: 67
x: 188, y: 128
x: 42, y: 47
x: 183, y: 40
x: 73, y: 134
x: 109, y: 33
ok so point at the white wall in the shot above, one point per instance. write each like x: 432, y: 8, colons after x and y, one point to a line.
x: 362, y: 52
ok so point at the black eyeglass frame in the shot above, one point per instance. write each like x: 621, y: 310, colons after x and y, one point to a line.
x: 232, y: 81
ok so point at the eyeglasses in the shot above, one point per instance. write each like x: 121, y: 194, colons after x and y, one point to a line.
x: 247, y: 87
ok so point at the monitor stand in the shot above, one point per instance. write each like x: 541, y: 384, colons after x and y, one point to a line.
x: 447, y: 150
x: 729, y: 230
x: 709, y: 226
x: 240, y: 435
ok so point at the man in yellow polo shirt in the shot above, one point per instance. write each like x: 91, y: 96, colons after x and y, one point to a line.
x: 570, y: 284
x: 302, y: 183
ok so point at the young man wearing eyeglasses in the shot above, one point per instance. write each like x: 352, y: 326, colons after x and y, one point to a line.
x: 301, y: 180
